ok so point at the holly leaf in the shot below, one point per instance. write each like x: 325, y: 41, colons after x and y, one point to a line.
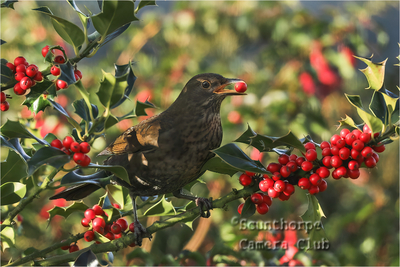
x: 392, y: 104
x: 13, y: 168
x: 47, y: 156
x: 119, y: 193
x: 249, y: 208
x: 15, y: 145
x: 87, y: 258
x: 347, y: 122
x: 75, y: 177
x: 9, y: 3
x: 12, y: 192
x: 217, y: 165
x: 85, y: 96
x: 161, y: 208
x: 67, y: 30
x: 7, y: 76
x: 7, y: 238
x: 111, y: 89
x: 145, y: 3
x: 115, y: 34
x: 312, y: 218
x: 35, y: 100
x: 375, y: 73
x: 65, y: 212
x: 378, y: 107
x: 140, y: 108
x: 232, y: 155
x: 114, y: 15
x: 60, y: 109
x: 14, y: 129
x: 119, y: 171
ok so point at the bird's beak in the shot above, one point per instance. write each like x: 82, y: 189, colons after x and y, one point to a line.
x: 220, y: 90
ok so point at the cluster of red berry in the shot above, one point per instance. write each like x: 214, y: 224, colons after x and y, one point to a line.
x: 345, y: 153
x: 26, y: 74
x: 69, y: 145
x: 4, y: 105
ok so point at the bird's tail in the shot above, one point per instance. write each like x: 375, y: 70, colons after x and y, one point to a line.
x: 76, y: 192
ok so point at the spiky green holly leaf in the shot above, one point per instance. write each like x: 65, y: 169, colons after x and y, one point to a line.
x: 375, y: 73
x: 12, y: 192
x: 7, y: 238
x: 249, y: 208
x: 347, y: 121
x: 161, y: 208
x: 217, y: 165
x: 13, y: 168
x: 47, y: 156
x: 65, y: 212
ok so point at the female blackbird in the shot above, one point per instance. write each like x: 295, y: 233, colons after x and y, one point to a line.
x: 167, y: 151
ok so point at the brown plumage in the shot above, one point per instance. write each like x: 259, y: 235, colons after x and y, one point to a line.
x: 167, y: 151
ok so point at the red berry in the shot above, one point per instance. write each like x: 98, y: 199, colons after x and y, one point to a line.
x: 335, y: 175
x: 89, y: 236
x: 89, y: 214
x: 304, y: 183
x: 350, y: 138
x: 262, y: 208
x: 283, y: 159
x: 245, y: 180
x: 66, y: 151
x: 239, y: 209
x: 84, y: 147
x: 10, y: 66
x: 340, y: 144
x: 59, y: 59
x: 344, y: 132
x: 324, y: 145
x: 355, y: 154
x: 4, y: 106
x: 357, y: 133
x: 323, y: 172
x: 279, y: 186
x: 240, y: 87
x: 19, y: 60
x: 341, y: 171
x: 86, y: 161
x: 133, y: 244
x: 309, y: 145
x: 265, y: 184
x: 56, y: 143
x: 31, y: 70
x: 306, y: 166
x: 300, y: 160
x: 353, y: 174
x: 123, y: 223
x: 366, y: 128
x: 20, y: 68
x: 334, y: 139
x: 365, y: 137
x: 314, y: 189
x: 273, y: 167
x: 370, y: 162
x: 326, y: 152
x: 375, y: 156
x: 273, y: 193
x: 3, y: 97
x: 315, y: 179
x: 327, y: 162
x: 285, y: 171
x: 79, y: 73
x: 283, y: 197
x: 358, y: 145
x: 18, y: 90
x: 116, y: 236
x: 45, y: 50
x: 132, y: 225
x: 116, y: 205
x: 97, y: 210
x: 38, y: 77
x: 353, y: 165
x: 99, y: 229
x: 322, y: 186
x: 116, y: 228
x: 67, y: 142
x: 336, y: 162
x: 73, y: 248
x: 293, y: 157
x: 64, y: 247
x: 98, y: 221
x: 277, y: 176
x: 292, y: 165
x: 78, y: 158
x: 85, y: 222
x: 61, y: 84
x: 367, y: 152
x: 267, y: 200
x: 251, y: 174
x: 335, y: 150
x: 311, y: 155
x: 379, y: 148
x: 55, y: 70
x: 344, y: 153
x: 19, y: 75
x: 75, y: 147
x: 289, y: 189
x: 25, y: 83
x: 256, y: 198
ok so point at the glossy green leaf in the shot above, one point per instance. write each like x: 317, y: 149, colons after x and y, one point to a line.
x: 35, y: 100
x: 312, y: 218
x: 65, y: 212
x: 47, y: 156
x: 101, y: 238
x: 378, y: 107
x: 9, y: 3
x: 375, y: 73
x: 119, y: 171
x: 232, y: 155
x: 50, y: 137
x: 161, y: 208
x: 75, y: 177
x: 13, y: 168
x: 140, y: 109
x: 7, y: 238
x: 249, y: 208
x: 120, y: 194
x: 347, y: 122
x: 14, y: 129
x: 85, y: 96
x: 70, y: 32
x: 392, y: 104
x: 15, y: 145
x: 87, y: 258
x: 59, y: 108
x: 7, y: 76
x: 114, y: 15
x: 217, y: 165
x: 111, y: 89
x: 12, y: 192
x: 145, y: 3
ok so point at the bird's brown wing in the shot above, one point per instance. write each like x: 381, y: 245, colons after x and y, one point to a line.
x: 139, y: 138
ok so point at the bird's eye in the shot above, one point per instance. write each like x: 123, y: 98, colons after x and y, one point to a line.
x: 206, y: 84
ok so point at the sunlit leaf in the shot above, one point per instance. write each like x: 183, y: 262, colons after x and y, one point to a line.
x: 65, y: 212
x: 378, y: 106
x: 145, y: 3
x: 13, y: 168
x: 140, y: 109
x: 347, y: 122
x: 161, y: 208
x: 14, y: 129
x: 375, y: 73
x: 12, y: 192
x: 119, y: 193
x: 7, y: 238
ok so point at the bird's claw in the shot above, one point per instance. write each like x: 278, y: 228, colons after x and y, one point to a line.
x: 204, y: 202
x: 140, y: 233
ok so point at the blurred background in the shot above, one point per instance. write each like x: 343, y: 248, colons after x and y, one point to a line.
x: 297, y: 60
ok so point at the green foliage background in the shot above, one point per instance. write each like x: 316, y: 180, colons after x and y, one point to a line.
x: 268, y: 45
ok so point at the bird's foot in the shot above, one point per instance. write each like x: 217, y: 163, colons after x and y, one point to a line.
x: 204, y: 202
x: 140, y: 232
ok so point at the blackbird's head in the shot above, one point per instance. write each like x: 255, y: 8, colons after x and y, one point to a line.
x: 207, y: 88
